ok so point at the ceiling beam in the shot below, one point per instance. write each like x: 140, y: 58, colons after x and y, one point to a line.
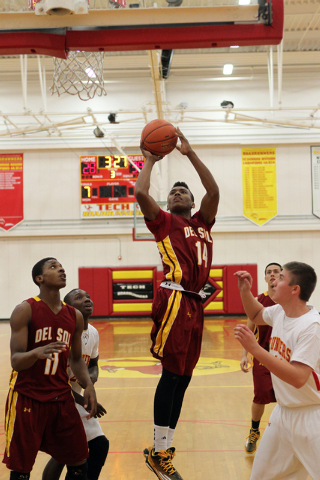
x: 158, y: 83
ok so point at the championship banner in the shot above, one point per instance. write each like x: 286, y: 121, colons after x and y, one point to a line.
x: 315, y: 172
x: 259, y: 184
x: 11, y: 189
x: 107, y: 185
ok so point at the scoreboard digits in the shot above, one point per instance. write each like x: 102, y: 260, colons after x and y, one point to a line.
x: 88, y: 168
x: 112, y: 161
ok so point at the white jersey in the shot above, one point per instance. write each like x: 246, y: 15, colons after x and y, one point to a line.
x: 295, y: 339
x: 90, y: 349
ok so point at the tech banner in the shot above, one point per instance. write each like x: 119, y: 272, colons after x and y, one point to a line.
x: 11, y: 189
x: 259, y: 184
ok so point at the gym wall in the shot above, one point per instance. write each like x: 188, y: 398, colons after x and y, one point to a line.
x: 52, y: 224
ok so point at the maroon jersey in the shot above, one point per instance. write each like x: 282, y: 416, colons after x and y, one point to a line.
x: 185, y: 247
x: 47, y: 380
x: 264, y: 331
x: 263, y: 390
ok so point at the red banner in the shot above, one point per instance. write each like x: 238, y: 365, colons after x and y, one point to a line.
x: 11, y: 189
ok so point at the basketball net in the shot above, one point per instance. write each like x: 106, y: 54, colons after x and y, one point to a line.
x: 80, y: 74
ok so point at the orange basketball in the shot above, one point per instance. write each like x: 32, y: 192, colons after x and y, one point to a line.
x: 159, y: 137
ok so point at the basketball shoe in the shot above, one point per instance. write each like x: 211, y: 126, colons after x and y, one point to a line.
x: 252, y: 439
x: 160, y: 464
x: 146, y: 455
x: 147, y: 450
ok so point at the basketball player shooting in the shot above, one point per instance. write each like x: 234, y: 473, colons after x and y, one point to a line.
x: 185, y: 246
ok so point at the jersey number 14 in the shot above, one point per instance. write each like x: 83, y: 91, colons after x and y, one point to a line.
x: 202, y: 254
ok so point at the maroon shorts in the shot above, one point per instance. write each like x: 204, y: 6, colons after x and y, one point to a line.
x: 262, y: 384
x: 52, y: 427
x: 177, y: 331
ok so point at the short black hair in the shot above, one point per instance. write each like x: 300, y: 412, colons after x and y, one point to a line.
x: 38, y: 269
x: 272, y: 263
x: 67, y: 298
x: 303, y: 275
x: 183, y: 184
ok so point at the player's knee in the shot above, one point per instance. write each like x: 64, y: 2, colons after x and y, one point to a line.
x: 78, y: 472
x: 184, y: 381
x: 19, y: 476
x: 98, y: 451
x: 170, y: 377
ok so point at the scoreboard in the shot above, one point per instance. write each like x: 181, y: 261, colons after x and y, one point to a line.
x: 107, y: 185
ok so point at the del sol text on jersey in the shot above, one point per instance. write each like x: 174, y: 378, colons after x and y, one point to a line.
x: 202, y: 233
x: 44, y: 334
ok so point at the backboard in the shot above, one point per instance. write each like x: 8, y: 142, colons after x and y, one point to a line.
x: 141, y: 25
x: 140, y: 231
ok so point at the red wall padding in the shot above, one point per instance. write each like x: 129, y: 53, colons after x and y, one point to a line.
x: 97, y: 281
x: 233, y: 303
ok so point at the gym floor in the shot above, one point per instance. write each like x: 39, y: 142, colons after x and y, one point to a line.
x: 215, y: 417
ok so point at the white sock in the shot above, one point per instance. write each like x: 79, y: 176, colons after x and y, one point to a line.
x: 170, y: 437
x: 160, y: 438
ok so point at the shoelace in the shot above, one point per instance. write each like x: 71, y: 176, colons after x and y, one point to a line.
x: 171, y: 452
x: 165, y: 463
x: 253, y: 437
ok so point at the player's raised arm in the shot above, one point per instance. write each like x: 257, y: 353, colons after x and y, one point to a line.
x: 148, y: 205
x: 210, y: 202
x: 80, y: 369
x: 251, y: 306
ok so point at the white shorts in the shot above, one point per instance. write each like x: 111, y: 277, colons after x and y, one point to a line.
x: 91, y: 426
x: 290, y: 446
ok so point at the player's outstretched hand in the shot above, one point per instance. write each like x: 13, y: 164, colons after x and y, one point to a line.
x: 244, y: 280
x: 148, y: 155
x: 246, y: 337
x: 90, y: 400
x: 185, y: 147
x: 100, y: 411
x: 47, y: 350
x: 245, y: 365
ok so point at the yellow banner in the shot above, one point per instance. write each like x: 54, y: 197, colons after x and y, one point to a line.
x: 259, y: 184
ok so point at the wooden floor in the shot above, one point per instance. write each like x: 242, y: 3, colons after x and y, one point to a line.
x: 215, y: 417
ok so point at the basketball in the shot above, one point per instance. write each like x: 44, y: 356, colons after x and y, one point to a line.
x: 159, y: 137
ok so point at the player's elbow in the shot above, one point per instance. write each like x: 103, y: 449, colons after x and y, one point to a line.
x: 214, y: 194
x: 299, y: 382
x: 15, y: 365
x: 140, y: 194
x: 137, y: 193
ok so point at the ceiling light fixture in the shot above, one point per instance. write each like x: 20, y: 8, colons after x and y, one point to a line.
x: 112, y: 118
x: 227, y: 104
x: 98, y: 133
x: 227, y: 69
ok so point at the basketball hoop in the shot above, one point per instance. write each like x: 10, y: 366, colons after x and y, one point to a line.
x: 80, y: 74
